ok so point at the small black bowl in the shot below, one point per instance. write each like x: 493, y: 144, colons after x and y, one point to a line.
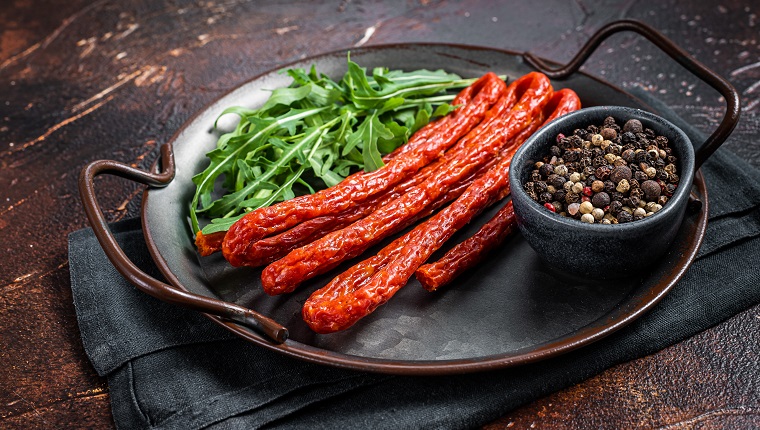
x: 600, y: 251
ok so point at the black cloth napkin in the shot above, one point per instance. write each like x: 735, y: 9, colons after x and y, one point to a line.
x: 170, y: 368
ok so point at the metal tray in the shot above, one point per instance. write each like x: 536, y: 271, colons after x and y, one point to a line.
x: 512, y: 309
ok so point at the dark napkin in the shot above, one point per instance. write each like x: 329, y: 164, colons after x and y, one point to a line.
x: 172, y: 368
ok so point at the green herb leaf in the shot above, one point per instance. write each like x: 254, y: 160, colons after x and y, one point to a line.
x: 313, y: 133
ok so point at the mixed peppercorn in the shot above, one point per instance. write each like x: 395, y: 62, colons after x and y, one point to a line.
x: 606, y: 174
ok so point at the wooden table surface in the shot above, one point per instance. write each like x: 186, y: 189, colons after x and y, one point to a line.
x: 82, y: 80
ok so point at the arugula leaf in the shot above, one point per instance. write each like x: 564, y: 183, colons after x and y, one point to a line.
x: 312, y: 134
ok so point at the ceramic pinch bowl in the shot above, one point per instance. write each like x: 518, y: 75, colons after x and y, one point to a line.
x: 599, y: 251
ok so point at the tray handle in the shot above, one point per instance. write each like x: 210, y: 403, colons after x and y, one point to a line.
x: 673, y: 51
x: 142, y: 280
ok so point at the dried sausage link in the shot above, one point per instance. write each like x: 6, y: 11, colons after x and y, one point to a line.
x: 501, y: 124
x: 468, y: 253
x: 471, y: 251
x: 377, y: 279
x: 271, y: 249
x: 270, y: 220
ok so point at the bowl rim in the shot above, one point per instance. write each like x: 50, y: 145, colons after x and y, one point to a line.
x: 548, y: 133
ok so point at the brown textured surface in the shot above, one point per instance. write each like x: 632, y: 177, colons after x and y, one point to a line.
x: 86, y: 80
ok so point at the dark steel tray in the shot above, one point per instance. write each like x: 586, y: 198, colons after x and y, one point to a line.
x: 512, y: 309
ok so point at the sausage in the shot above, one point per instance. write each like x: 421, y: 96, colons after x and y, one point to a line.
x: 500, y: 125
x: 340, y: 304
x: 433, y: 140
x: 469, y: 252
x: 492, y: 234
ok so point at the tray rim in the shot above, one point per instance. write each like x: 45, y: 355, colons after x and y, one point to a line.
x: 309, y: 353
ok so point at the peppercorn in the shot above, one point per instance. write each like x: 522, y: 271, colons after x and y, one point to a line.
x: 633, y: 126
x: 550, y: 207
x: 608, y: 133
x: 670, y: 189
x: 586, y: 207
x: 651, y: 190
x: 572, y: 197
x: 558, y: 181
x: 601, y: 199
x: 598, y: 214
x: 624, y: 217
x: 615, y: 207
x: 619, y: 173
x: 546, y: 169
x: 587, y: 218
x: 601, y: 170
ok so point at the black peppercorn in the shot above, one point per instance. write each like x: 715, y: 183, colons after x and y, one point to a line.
x: 609, y: 133
x: 628, y: 137
x: 603, y: 168
x: 624, y: 217
x: 670, y: 189
x: 633, y: 126
x: 546, y: 169
x: 619, y: 173
x: 600, y: 199
x: 651, y: 190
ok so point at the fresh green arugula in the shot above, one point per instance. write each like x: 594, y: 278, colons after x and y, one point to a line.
x: 314, y: 133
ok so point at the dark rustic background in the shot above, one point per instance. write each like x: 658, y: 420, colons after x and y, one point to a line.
x: 83, y: 80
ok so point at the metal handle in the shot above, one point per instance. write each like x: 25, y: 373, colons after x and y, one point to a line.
x: 142, y: 280
x: 679, y: 55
